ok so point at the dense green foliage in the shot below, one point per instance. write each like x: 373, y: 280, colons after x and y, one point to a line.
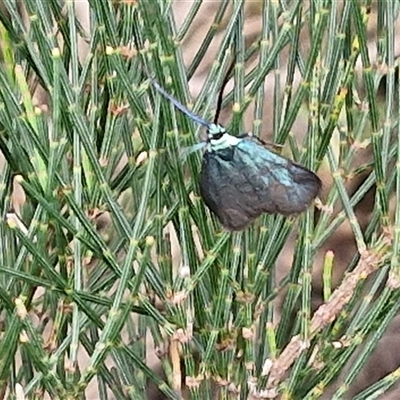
x: 111, y: 241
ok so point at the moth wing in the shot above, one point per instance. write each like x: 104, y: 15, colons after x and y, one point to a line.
x: 227, y: 191
x: 241, y: 182
x: 284, y: 187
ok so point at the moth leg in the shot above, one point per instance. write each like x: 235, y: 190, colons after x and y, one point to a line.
x: 257, y: 139
x: 247, y: 135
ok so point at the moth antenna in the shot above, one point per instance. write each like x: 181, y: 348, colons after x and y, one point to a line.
x: 191, y: 149
x: 161, y: 90
x: 221, y: 91
x: 179, y: 105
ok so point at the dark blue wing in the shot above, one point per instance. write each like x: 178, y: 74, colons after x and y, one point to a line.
x: 241, y: 182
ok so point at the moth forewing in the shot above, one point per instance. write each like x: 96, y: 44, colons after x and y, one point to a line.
x: 243, y: 179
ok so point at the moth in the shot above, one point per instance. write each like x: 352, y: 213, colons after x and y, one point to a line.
x: 241, y: 179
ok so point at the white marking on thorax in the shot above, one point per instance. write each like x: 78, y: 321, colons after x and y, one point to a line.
x: 223, y: 142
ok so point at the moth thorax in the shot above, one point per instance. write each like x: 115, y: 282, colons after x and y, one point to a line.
x: 222, y: 142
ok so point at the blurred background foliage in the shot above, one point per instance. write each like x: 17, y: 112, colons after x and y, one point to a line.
x: 115, y: 280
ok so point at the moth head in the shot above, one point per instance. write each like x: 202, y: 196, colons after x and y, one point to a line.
x: 215, y: 132
x: 218, y: 138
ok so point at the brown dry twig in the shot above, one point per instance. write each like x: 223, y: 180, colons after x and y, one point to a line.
x: 370, y: 262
